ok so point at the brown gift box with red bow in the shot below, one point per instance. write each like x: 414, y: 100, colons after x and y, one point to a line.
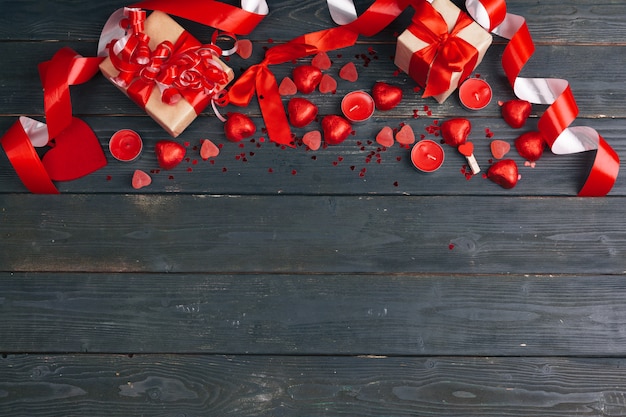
x: 441, y: 47
x: 174, y: 118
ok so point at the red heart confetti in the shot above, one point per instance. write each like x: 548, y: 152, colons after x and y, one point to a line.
x: 385, y: 137
x: 244, y: 48
x: 301, y: 111
x: 312, y: 139
x: 499, y: 148
x: 321, y: 61
x: 328, y: 84
x: 169, y: 153
x: 348, y: 72
x: 504, y: 173
x: 306, y: 78
x: 516, y: 112
x: 208, y: 149
x: 530, y: 145
x: 455, y: 131
x: 466, y: 149
x: 238, y: 126
x: 287, y: 87
x: 141, y: 179
x: 336, y: 129
x: 405, y: 135
x: 386, y: 96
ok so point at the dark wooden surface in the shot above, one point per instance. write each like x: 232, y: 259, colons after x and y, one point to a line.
x: 228, y: 290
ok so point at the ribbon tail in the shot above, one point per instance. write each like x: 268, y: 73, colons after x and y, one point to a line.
x: 603, y: 172
x: 272, y: 109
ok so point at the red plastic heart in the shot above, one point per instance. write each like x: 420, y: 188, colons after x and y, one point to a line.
x: 77, y: 152
x: 456, y: 131
x: 169, y: 153
x: 348, y: 72
x: 385, y: 137
x: 239, y: 126
x: 466, y: 149
x: 312, y: 139
x: 504, y: 173
x: 405, y: 135
x: 301, y: 111
x: 208, y: 149
x: 336, y: 129
x: 386, y: 96
x: 306, y: 78
x: 141, y: 179
x: 516, y: 112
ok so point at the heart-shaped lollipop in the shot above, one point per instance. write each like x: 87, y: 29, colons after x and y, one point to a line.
x: 336, y: 129
x: 386, y: 96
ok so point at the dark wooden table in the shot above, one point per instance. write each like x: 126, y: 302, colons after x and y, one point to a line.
x: 286, y: 282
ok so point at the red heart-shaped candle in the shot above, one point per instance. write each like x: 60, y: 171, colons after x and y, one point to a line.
x: 504, y: 173
x: 336, y: 129
x: 169, y: 153
x: 306, y: 78
x: 455, y: 131
x: 516, y: 112
x: 530, y: 145
x: 301, y: 111
x: 238, y: 126
x: 386, y: 96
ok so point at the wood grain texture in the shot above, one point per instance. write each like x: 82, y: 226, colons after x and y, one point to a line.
x: 322, y: 314
x: 166, y: 385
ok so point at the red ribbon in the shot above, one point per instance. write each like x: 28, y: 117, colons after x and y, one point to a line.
x: 446, y: 53
x: 555, y: 122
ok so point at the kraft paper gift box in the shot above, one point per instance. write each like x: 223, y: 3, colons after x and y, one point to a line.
x: 441, y: 48
x: 174, y: 118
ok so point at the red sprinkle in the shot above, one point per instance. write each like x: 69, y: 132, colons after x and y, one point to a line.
x: 451, y: 246
x: 294, y: 172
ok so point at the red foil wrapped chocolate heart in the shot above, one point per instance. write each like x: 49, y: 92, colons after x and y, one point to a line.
x: 301, y: 111
x: 530, y: 145
x: 455, y: 131
x: 386, y: 96
x: 516, y: 112
x: 238, y: 126
x: 504, y: 173
x: 336, y: 129
x: 169, y: 153
x: 306, y: 78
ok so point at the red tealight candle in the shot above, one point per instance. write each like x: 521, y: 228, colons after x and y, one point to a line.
x: 125, y: 145
x: 475, y: 94
x: 357, y: 106
x: 427, y: 155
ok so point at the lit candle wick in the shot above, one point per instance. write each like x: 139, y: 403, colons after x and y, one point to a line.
x: 434, y: 158
x: 355, y: 107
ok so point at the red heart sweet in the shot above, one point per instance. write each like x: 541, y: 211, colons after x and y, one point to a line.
x: 348, y: 72
x: 456, y: 131
x: 244, y: 48
x: 499, y: 148
x: 238, y: 126
x: 516, y: 112
x: 141, y: 179
x: 208, y: 149
x: 301, y: 111
x: 386, y: 96
x: 328, y: 84
x: 385, y: 137
x: 321, y: 61
x: 77, y: 152
x: 405, y: 135
x: 530, y: 145
x: 336, y: 129
x: 312, y: 139
x: 287, y: 87
x: 306, y: 78
x: 169, y: 153
x: 466, y: 149
x: 504, y: 173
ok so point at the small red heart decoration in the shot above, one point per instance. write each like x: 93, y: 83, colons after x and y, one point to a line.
x: 516, y: 112
x: 499, y: 148
x: 385, y: 137
x: 306, y: 78
x: 141, y: 179
x: 301, y: 111
x: 321, y: 61
x: 77, y: 152
x: 244, y: 48
x: 312, y: 139
x: 328, y: 84
x: 336, y: 129
x: 466, y: 149
x: 169, y: 153
x: 456, y: 131
x: 238, y: 126
x: 208, y: 149
x: 386, y: 96
x: 530, y: 145
x: 287, y: 87
x: 405, y: 135
x: 504, y: 173
x: 348, y: 72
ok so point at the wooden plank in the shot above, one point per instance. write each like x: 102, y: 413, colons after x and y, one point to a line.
x: 167, y: 385
x: 319, y: 314
x: 194, y: 233
x: 549, y: 21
